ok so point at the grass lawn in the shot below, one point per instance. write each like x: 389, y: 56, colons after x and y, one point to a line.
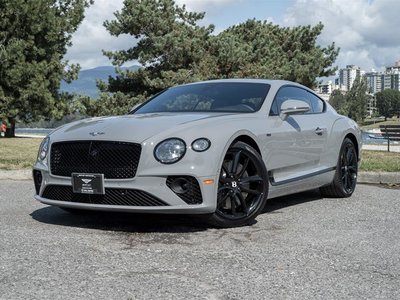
x: 18, y: 153
x: 377, y: 124
x: 380, y: 161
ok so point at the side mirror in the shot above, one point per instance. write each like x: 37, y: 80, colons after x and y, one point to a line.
x: 293, y: 107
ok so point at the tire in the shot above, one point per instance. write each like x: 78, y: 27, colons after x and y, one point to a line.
x: 345, y: 180
x: 242, y: 187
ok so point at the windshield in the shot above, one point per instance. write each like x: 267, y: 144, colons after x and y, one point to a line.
x: 239, y: 97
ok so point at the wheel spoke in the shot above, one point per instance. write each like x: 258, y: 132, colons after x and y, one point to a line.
x: 349, y: 156
x: 352, y: 169
x: 223, y: 199
x: 244, y: 167
x: 223, y: 180
x: 233, y: 205
x: 243, y: 203
x: 254, y: 178
x: 235, y: 162
x: 345, y: 181
x: 249, y: 191
x: 350, y: 180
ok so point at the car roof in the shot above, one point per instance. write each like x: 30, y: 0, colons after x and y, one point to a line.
x: 271, y: 82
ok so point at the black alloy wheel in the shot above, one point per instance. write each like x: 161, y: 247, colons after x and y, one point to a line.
x: 345, y: 180
x: 348, y: 168
x: 242, y: 187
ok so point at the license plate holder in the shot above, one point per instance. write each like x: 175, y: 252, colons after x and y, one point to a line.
x: 92, y: 184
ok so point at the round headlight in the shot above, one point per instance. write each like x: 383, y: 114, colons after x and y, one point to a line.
x: 170, y: 150
x: 44, y: 148
x: 201, y: 144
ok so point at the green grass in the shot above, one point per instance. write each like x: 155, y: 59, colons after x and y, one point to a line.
x: 18, y: 153
x: 377, y: 124
x: 380, y: 161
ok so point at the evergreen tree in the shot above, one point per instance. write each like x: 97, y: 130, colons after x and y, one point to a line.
x: 34, y: 36
x: 339, y: 102
x: 174, y: 49
x: 388, y: 102
x: 357, y: 99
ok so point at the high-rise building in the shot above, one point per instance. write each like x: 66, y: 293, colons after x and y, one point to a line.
x: 374, y: 82
x: 348, y: 75
x: 379, y: 81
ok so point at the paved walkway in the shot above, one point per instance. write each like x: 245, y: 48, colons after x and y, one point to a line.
x: 393, y: 148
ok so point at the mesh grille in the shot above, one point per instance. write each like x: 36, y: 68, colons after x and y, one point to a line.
x: 115, y: 160
x: 192, y: 194
x: 125, y: 197
x: 37, y: 179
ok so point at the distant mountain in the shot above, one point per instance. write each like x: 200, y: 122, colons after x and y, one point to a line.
x: 86, y: 83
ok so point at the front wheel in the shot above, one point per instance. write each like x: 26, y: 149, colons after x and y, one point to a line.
x: 345, y: 180
x: 242, y: 187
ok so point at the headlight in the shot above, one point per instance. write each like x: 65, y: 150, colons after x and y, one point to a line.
x: 170, y: 151
x: 44, y: 148
x: 201, y: 144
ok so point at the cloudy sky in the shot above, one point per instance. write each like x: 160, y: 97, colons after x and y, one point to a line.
x: 365, y: 30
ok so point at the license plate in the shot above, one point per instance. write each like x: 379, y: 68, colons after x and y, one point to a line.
x: 88, y: 183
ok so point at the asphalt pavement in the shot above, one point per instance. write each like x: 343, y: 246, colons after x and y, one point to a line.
x: 301, y: 247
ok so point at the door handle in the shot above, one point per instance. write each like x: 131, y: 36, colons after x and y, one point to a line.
x: 319, y: 131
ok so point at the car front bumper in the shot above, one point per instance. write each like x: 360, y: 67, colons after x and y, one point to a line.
x: 154, y: 186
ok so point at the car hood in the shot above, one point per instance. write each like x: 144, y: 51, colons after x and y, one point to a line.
x: 136, y: 128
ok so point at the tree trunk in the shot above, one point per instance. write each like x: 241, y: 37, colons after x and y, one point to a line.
x: 11, y: 128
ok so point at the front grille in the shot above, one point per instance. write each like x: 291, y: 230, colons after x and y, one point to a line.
x: 116, y: 160
x: 127, y: 197
x: 187, y: 189
x: 37, y: 179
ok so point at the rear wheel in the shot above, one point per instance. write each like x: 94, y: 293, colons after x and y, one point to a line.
x: 345, y: 180
x: 242, y: 187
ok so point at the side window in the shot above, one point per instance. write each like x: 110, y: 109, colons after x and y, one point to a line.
x: 286, y: 93
x: 316, y: 103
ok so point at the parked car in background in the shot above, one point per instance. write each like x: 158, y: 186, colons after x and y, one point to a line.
x: 219, y: 148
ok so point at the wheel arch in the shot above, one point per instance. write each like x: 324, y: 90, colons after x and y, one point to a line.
x: 353, y: 138
x: 247, y: 140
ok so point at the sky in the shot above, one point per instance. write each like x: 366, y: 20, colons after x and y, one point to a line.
x: 365, y: 30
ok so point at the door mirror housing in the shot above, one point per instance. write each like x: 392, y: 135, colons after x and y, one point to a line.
x: 293, y: 107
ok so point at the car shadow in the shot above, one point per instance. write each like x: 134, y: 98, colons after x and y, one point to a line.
x: 118, y: 221
x: 146, y: 223
x: 276, y: 204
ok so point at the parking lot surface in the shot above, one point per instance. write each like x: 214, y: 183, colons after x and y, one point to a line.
x: 302, y: 247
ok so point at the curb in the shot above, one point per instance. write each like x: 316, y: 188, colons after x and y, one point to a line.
x: 363, y: 177
x: 24, y: 174
x: 379, y: 177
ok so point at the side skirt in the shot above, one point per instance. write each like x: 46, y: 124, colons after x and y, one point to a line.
x: 277, y: 183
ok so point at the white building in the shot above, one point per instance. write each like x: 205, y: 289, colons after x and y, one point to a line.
x: 379, y: 81
x: 374, y: 82
x: 347, y: 76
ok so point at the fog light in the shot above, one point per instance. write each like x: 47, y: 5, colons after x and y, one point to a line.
x: 180, y: 185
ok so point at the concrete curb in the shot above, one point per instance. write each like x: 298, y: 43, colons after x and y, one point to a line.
x: 379, y: 177
x: 24, y: 174
x: 363, y: 177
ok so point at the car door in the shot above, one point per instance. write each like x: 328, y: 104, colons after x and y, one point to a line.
x: 294, y: 146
